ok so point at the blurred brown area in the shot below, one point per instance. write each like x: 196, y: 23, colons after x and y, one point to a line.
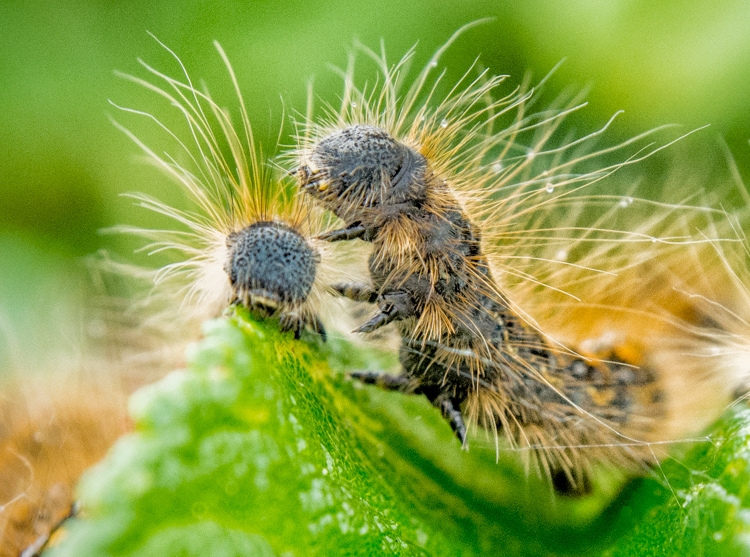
x: 49, y: 434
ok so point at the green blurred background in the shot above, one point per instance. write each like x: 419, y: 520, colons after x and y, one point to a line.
x: 63, y: 163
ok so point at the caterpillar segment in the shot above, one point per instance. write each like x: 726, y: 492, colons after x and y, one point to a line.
x: 443, y: 220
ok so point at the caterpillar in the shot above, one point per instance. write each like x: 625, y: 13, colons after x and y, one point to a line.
x: 448, y: 199
x: 250, y: 240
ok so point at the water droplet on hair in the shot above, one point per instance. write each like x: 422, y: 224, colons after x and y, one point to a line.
x: 530, y: 155
x: 354, y: 104
x: 550, y: 187
x: 562, y: 255
x: 433, y: 63
x: 444, y: 123
x: 497, y: 168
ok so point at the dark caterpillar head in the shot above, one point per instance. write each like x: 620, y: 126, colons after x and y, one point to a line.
x: 271, y: 267
x: 360, y: 167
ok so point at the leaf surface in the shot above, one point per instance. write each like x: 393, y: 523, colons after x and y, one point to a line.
x: 259, y: 448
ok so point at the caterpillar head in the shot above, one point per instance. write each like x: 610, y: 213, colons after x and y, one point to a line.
x: 361, y: 167
x: 271, y: 267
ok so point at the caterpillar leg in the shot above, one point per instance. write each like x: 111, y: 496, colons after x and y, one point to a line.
x: 394, y: 305
x: 293, y: 322
x: 317, y: 327
x: 449, y: 408
x: 351, y: 232
x: 356, y: 292
x: 383, y: 380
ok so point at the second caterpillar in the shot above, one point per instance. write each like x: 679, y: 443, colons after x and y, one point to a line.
x: 437, y: 192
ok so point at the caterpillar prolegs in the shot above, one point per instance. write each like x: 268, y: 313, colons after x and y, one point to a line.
x: 441, y: 195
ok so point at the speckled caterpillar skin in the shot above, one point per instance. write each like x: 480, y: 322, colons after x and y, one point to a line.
x: 463, y: 347
x: 270, y: 260
x: 271, y: 269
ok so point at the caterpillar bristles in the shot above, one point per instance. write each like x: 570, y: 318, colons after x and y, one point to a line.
x: 716, y: 307
x: 451, y: 203
x: 250, y: 239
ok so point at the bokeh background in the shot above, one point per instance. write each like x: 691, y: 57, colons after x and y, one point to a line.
x: 63, y: 163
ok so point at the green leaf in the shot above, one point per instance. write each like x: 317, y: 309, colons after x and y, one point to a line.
x: 259, y: 448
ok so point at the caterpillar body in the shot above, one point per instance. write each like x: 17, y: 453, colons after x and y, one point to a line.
x: 437, y: 192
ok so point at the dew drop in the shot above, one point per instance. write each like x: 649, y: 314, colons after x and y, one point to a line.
x: 497, y: 168
x: 550, y: 187
x: 623, y: 203
x: 562, y: 255
x: 530, y: 155
x: 718, y: 536
x: 444, y: 123
x: 433, y: 63
x: 354, y: 104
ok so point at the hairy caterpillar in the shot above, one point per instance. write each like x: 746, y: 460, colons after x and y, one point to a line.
x: 448, y: 198
x: 251, y: 240
x: 248, y: 239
